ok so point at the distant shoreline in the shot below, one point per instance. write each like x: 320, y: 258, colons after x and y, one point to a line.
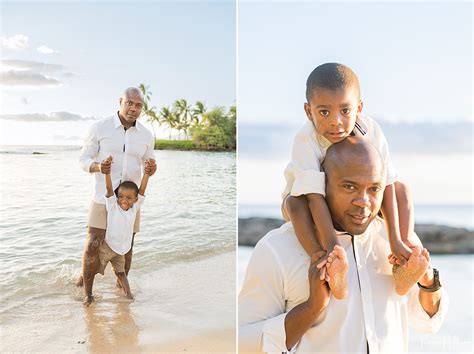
x: 438, y: 239
x: 185, y: 145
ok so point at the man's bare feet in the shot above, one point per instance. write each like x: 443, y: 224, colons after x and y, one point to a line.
x: 408, y: 275
x: 88, y: 299
x: 337, y: 267
x: 80, y: 281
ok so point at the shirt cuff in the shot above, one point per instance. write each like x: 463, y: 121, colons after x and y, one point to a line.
x: 110, y: 201
x: 86, y: 165
x: 309, y: 181
x: 431, y: 324
x: 392, y: 175
x: 274, y: 335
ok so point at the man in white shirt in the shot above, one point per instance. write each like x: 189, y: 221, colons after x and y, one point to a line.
x: 279, y: 310
x: 130, y: 144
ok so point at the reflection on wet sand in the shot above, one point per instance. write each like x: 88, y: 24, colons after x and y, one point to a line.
x: 111, y: 327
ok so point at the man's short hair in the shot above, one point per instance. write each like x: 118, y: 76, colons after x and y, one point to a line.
x: 127, y: 185
x: 331, y: 76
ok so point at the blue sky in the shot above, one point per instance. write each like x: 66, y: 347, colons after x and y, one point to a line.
x: 181, y: 49
x: 413, y: 59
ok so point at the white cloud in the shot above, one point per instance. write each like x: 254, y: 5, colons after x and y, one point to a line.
x: 16, y: 42
x: 45, y: 117
x: 20, y: 65
x: 27, y: 78
x: 46, y: 50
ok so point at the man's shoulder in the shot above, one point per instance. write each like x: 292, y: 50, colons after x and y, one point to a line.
x: 281, y: 242
x: 102, y: 123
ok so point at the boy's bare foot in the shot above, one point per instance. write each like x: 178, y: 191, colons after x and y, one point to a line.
x: 88, y: 299
x: 337, y: 267
x: 80, y: 281
x: 408, y: 275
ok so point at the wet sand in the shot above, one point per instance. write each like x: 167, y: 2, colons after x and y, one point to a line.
x: 187, y: 307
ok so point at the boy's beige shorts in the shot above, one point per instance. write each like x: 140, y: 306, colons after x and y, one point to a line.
x: 106, y: 255
x: 98, y: 217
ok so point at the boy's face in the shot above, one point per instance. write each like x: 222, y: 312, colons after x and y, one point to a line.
x: 334, y: 112
x: 126, y: 198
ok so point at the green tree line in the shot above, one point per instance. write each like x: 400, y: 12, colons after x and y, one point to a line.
x: 211, y: 130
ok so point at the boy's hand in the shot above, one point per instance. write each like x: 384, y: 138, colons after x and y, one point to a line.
x: 150, y: 167
x: 105, y: 166
x: 318, y: 288
x: 400, y: 253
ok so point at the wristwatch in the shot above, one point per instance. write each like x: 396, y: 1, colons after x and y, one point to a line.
x: 436, y: 283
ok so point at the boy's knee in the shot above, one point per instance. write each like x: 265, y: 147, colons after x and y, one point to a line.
x: 120, y: 275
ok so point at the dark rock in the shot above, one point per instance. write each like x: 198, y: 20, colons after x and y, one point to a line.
x: 438, y: 239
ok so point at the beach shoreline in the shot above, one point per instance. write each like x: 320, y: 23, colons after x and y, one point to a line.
x: 175, y: 309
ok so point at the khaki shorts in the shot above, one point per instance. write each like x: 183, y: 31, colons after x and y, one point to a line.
x: 106, y: 255
x: 98, y: 217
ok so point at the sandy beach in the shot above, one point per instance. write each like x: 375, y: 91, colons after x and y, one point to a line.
x: 175, y: 309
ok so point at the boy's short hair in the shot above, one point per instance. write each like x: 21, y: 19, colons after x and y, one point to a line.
x: 127, y: 185
x: 331, y: 76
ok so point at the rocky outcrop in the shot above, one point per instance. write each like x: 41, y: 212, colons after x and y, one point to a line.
x: 438, y: 239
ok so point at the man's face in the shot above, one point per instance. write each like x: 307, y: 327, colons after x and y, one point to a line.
x: 354, y: 194
x: 334, y: 112
x: 126, y: 198
x: 130, y: 107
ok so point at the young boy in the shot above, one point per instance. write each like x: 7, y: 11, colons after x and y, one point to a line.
x: 122, y: 207
x: 333, y: 109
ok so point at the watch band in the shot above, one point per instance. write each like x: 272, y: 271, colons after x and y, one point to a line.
x: 436, y: 283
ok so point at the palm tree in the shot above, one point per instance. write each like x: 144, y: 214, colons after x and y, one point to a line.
x: 183, y: 115
x: 167, y: 116
x: 198, y: 112
x: 148, y: 111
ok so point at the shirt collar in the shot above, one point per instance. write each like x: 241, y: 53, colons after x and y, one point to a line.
x: 118, y: 123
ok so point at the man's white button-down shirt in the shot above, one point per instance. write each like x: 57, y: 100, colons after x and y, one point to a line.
x: 129, y: 148
x: 372, y: 314
x: 303, y: 174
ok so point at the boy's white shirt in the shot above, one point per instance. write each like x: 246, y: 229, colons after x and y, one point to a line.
x: 120, y: 223
x: 303, y: 174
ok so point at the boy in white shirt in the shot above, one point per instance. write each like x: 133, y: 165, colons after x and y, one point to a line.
x: 122, y: 207
x: 333, y: 109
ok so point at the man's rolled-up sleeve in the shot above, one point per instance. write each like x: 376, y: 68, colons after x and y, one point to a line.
x: 307, y: 168
x: 419, y: 319
x: 150, y: 151
x: 90, y: 149
x: 262, y: 304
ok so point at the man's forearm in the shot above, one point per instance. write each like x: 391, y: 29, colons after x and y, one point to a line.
x: 429, y: 300
x: 322, y: 220
x: 299, y: 320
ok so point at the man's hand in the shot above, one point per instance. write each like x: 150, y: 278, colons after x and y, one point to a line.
x: 105, y: 166
x: 150, y: 167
